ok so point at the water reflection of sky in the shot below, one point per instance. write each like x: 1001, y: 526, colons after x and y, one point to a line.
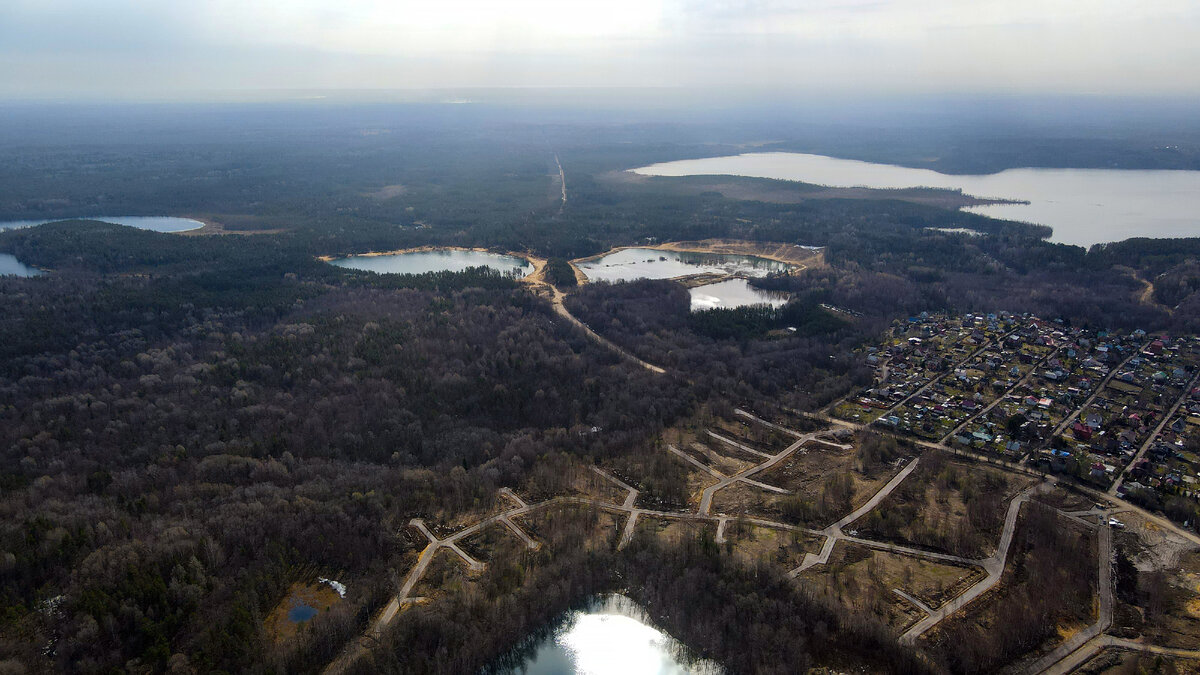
x: 612, y: 644
x: 153, y: 223
x: 9, y: 265
x: 1083, y: 206
x: 733, y: 293
x: 645, y: 263
x: 611, y: 639
x: 419, y: 262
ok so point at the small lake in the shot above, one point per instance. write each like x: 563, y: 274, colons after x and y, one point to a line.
x: 647, y: 263
x: 733, y: 293
x: 611, y: 637
x: 301, y: 612
x: 10, y: 266
x: 1083, y: 206
x: 153, y: 223
x: 442, y: 260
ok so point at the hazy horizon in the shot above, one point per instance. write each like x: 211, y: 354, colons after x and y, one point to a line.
x: 223, y: 50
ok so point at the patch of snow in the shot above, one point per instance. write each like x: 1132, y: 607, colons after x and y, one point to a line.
x: 337, y: 586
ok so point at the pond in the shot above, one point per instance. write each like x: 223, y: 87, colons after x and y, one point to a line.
x: 1083, y: 206
x: 153, y: 223
x: 733, y: 293
x: 9, y: 265
x: 437, y: 260
x: 301, y: 612
x: 612, y: 636
x: 648, y: 263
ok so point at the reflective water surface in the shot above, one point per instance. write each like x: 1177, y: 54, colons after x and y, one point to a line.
x: 647, y: 263
x: 610, y: 637
x: 9, y: 265
x: 419, y: 262
x: 733, y: 293
x: 1083, y: 206
x: 154, y: 223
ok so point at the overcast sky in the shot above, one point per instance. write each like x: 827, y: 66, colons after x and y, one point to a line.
x: 191, y: 48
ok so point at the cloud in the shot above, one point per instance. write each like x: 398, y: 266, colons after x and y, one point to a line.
x: 141, y: 48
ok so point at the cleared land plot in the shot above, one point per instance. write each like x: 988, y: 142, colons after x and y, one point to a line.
x: 1168, y: 603
x: 866, y: 580
x: 1046, y: 595
x: 720, y: 456
x: 446, y: 573
x: 673, y: 530
x: 751, y: 434
x: 784, y: 548
x: 946, y: 506
x: 823, y: 484
x: 493, y: 542
x: 280, y: 628
x: 571, y: 524
x: 1121, y: 662
x: 1065, y: 500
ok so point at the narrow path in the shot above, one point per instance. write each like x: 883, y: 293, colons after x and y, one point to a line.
x: 917, y: 603
x: 561, y: 310
x: 562, y: 180
x: 530, y: 542
x: 770, y: 425
x: 740, y: 446
x: 1154, y: 434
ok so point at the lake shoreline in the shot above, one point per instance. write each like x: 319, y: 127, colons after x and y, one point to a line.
x: 1081, y: 207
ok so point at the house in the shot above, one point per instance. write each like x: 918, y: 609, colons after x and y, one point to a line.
x: 1097, y: 470
x: 1082, y: 431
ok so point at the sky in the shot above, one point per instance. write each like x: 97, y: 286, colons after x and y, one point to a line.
x: 180, y: 49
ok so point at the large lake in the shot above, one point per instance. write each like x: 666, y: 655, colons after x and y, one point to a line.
x: 1083, y: 206
x: 154, y: 223
x: 9, y: 265
x: 442, y: 260
x: 647, y: 263
x: 611, y: 637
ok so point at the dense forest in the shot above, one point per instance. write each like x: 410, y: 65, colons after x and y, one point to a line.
x: 190, y: 424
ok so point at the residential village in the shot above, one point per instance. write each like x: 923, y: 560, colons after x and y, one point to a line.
x: 1117, y: 412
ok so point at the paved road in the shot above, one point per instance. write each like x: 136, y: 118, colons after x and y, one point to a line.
x: 719, y: 476
x: 994, y: 567
x: 1091, y: 492
x: 1103, y: 621
x: 1081, y: 656
x: 833, y: 533
x: 706, y: 496
x: 1154, y: 434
